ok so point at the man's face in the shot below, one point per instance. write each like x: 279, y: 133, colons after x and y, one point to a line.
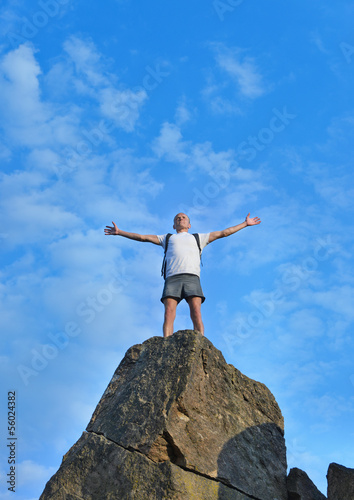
x: 181, y: 222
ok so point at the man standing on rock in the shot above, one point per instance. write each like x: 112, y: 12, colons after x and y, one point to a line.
x: 182, y: 265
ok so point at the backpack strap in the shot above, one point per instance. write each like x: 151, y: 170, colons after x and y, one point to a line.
x: 197, y: 239
x: 163, y: 268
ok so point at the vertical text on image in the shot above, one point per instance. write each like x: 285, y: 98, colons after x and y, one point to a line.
x: 11, y: 440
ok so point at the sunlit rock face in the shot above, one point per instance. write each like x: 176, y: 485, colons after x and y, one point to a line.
x: 177, y: 422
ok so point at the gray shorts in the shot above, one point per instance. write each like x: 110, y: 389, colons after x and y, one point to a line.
x: 182, y: 286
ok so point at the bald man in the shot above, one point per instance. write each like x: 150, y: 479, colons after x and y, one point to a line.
x: 182, y: 265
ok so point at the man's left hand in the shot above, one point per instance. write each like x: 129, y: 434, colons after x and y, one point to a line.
x: 252, y: 221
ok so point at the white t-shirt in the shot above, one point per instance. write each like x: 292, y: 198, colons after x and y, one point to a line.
x: 183, y: 253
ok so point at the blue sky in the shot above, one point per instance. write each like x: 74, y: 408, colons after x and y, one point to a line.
x: 133, y: 112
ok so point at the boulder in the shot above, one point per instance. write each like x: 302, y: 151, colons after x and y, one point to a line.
x: 178, y: 422
x: 340, y: 482
x: 300, y: 486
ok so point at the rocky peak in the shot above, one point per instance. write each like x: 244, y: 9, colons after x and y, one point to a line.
x: 177, y: 422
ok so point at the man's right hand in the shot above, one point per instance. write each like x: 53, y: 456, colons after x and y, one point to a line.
x: 111, y: 230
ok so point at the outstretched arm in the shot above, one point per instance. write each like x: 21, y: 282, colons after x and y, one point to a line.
x: 113, y: 230
x: 215, y: 235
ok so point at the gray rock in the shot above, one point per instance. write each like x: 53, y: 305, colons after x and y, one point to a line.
x: 97, y: 469
x: 178, y: 421
x: 300, y: 486
x: 340, y: 482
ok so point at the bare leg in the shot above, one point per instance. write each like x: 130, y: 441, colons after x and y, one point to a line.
x: 196, y: 314
x: 170, y: 314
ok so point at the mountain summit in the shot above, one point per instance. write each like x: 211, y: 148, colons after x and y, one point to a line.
x: 177, y: 422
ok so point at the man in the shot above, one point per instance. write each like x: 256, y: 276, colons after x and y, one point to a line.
x: 182, y: 265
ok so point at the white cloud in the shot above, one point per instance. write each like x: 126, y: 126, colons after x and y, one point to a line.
x: 59, y: 79
x: 32, y: 473
x: 169, y: 144
x: 31, y: 218
x: 88, y: 61
x: 27, y: 119
x: 9, y: 18
x: 122, y: 106
x: 77, y: 250
x: 20, y: 100
x: 243, y: 70
x: 283, y: 244
x: 339, y: 299
x: 330, y: 406
x: 5, y: 152
x: 207, y: 160
x: 183, y: 114
x: 30, y: 119
x: 220, y: 105
x: 237, y: 77
x: 334, y: 185
x: 37, y: 204
x: 223, y: 187
x: 116, y: 102
x: 318, y: 41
